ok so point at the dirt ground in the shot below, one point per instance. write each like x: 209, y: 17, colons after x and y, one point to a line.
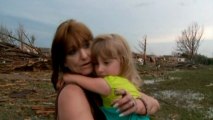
x: 26, y: 96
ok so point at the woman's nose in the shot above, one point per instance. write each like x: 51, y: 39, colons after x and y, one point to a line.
x: 83, y: 54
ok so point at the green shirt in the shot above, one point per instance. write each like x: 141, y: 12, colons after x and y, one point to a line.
x: 116, y: 82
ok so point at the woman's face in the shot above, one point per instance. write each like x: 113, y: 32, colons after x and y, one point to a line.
x: 79, y: 60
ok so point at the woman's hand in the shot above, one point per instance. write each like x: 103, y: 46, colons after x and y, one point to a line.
x: 126, y: 104
x: 151, y: 104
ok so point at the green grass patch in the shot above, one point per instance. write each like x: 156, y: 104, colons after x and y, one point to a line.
x: 184, y: 94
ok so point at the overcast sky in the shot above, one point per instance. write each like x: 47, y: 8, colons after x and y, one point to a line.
x: 161, y: 20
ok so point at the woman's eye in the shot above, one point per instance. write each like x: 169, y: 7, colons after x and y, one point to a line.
x: 86, y: 45
x: 72, y: 52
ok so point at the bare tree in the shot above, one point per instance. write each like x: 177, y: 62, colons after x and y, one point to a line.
x: 21, y: 35
x: 32, y: 40
x: 21, y: 39
x: 142, y: 45
x: 4, y: 32
x: 189, y: 41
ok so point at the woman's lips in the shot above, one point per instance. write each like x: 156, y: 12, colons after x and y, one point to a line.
x: 86, y: 65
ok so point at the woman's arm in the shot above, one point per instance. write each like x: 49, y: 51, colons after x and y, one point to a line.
x: 73, y: 104
x: 97, y: 85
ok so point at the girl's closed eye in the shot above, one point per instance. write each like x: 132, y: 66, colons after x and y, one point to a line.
x: 109, y: 61
x: 106, y: 62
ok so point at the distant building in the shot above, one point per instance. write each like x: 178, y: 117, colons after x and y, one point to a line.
x: 181, y: 59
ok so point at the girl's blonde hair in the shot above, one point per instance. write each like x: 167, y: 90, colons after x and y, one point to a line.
x: 113, y: 46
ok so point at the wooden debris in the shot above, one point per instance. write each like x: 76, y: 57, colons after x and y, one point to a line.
x: 38, y: 100
x: 14, y: 58
x: 43, y: 110
x: 7, y: 85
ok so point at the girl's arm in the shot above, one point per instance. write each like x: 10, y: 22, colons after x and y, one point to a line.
x: 97, y: 85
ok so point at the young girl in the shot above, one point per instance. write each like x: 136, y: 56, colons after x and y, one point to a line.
x: 114, y: 65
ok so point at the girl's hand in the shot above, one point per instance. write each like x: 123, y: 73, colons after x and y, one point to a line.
x: 126, y: 104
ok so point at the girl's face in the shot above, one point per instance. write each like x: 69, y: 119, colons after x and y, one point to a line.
x: 105, y: 67
x: 79, y: 60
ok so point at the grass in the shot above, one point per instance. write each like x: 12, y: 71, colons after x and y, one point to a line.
x: 185, y: 94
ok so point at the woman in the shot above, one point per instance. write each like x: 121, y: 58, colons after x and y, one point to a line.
x: 71, y: 54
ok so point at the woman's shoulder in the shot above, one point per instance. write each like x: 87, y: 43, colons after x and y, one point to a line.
x: 70, y: 94
x: 72, y: 102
